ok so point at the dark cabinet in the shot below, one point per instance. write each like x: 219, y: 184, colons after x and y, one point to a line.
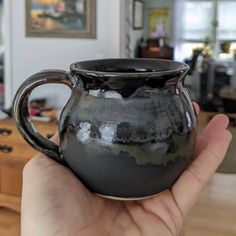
x: 155, y: 48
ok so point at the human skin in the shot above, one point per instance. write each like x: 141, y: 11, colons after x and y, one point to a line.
x: 54, y: 201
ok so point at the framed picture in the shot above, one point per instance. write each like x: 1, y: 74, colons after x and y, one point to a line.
x: 159, y: 22
x: 61, y: 18
x: 137, y: 14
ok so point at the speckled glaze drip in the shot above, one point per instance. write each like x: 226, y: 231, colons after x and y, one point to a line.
x: 150, y: 126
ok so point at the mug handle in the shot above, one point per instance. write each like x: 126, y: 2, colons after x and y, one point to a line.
x: 21, y: 111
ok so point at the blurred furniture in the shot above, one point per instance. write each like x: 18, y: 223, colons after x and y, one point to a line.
x: 229, y: 163
x: 228, y: 96
x: 1, y: 66
x: 155, y: 48
x: 14, y: 154
x: 191, y: 62
x: 213, y: 77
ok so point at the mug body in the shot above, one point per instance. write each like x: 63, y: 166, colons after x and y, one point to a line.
x: 129, y: 128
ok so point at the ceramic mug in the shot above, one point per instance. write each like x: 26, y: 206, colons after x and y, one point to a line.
x: 128, y: 130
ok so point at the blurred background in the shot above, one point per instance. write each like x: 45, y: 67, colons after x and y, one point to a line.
x: 51, y: 34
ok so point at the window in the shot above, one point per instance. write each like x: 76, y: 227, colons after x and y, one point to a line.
x: 197, y: 20
x: 226, y: 20
x: 211, y: 20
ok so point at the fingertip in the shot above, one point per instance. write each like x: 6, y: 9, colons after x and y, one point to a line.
x: 222, y: 119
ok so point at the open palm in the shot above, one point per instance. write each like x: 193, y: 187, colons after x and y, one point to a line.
x: 54, y: 202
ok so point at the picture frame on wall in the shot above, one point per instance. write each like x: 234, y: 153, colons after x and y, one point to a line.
x: 159, y: 20
x: 138, y: 14
x: 61, y: 18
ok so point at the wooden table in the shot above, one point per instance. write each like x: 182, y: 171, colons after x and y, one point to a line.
x: 215, y: 212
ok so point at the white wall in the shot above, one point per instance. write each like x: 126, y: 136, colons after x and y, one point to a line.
x: 30, y: 55
x: 134, y: 34
x: 1, y: 23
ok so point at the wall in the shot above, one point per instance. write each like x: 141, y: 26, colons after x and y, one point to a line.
x: 1, y: 23
x: 30, y: 55
x: 134, y: 34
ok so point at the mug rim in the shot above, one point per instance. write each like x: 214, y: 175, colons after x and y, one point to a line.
x: 182, y: 68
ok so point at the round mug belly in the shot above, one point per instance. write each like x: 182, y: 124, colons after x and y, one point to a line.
x: 127, y: 171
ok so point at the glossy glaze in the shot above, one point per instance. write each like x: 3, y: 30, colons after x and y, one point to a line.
x: 129, y: 127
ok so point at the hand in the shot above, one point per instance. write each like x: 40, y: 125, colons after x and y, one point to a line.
x: 54, y: 202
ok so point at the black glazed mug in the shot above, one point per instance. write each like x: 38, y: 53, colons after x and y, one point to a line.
x: 128, y: 130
